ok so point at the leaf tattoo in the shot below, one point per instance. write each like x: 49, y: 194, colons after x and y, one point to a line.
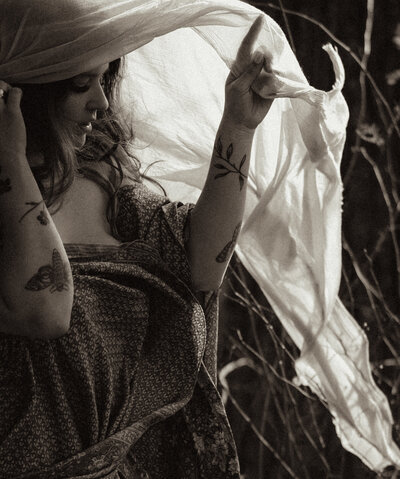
x: 5, y: 185
x: 229, y: 247
x: 53, y: 276
x: 218, y: 146
x: 229, y: 167
x: 42, y: 217
x: 229, y: 151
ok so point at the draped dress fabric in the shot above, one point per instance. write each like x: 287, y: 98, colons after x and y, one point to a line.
x: 173, y: 96
x: 130, y: 390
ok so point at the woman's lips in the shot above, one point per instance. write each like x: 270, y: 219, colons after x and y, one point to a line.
x: 85, y: 127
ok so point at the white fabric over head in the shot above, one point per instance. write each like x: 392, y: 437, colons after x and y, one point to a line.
x: 179, y: 54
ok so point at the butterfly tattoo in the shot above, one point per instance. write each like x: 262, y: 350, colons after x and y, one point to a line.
x: 52, y: 276
x: 229, y: 247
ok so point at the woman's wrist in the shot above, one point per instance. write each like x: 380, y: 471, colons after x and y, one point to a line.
x: 235, y: 127
x: 10, y: 155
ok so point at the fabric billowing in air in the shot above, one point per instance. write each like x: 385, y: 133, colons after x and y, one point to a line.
x: 173, y: 92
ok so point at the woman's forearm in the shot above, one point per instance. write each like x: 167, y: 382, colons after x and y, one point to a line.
x: 35, y: 283
x: 217, y: 217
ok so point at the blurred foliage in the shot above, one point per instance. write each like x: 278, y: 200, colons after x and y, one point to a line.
x: 282, y: 432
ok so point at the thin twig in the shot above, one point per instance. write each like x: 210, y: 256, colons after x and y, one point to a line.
x: 260, y: 437
x: 304, y: 429
x: 369, y: 287
x: 345, y: 47
x: 288, y: 29
x: 363, y: 101
x: 261, y: 449
x: 392, y: 221
x: 270, y: 367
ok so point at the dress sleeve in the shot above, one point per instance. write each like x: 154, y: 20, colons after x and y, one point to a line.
x: 17, y: 383
x: 162, y: 224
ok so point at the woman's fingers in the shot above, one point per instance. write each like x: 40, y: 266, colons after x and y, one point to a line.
x: 12, y: 125
x: 14, y: 98
x: 9, y: 96
x: 246, y: 79
x: 248, y: 41
x: 243, y: 57
x: 5, y: 88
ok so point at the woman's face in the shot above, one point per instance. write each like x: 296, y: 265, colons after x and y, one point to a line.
x: 82, y: 103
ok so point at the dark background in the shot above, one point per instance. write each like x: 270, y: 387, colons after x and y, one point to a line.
x: 296, y: 429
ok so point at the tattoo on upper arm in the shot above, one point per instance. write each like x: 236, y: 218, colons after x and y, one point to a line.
x: 42, y: 217
x: 5, y: 185
x: 54, y: 276
x: 229, y: 167
x: 229, y: 247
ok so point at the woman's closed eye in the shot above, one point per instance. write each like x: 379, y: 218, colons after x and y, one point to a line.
x: 83, y: 84
x: 79, y: 88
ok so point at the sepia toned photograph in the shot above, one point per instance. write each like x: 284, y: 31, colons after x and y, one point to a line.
x: 199, y: 239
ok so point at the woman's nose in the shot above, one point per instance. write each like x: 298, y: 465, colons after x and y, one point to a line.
x: 98, y: 100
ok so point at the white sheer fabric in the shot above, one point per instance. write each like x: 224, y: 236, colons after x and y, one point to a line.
x: 180, y: 53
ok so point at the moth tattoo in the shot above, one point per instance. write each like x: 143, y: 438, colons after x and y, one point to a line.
x: 52, y: 276
x: 229, y: 247
x: 229, y: 167
x: 5, y: 185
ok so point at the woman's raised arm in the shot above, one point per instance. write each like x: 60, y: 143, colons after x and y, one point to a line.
x: 36, y: 289
x: 216, y: 219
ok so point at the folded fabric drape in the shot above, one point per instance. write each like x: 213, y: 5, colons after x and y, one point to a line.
x: 178, y: 56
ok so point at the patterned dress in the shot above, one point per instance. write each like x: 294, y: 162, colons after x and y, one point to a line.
x: 130, y: 390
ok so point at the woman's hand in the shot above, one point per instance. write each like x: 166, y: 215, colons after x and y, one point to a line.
x: 12, y: 125
x: 243, y: 106
x: 217, y: 217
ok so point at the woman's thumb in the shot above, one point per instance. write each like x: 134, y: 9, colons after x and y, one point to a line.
x: 14, y: 97
x: 246, y: 79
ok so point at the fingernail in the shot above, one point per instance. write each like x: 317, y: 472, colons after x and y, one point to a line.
x: 258, y: 57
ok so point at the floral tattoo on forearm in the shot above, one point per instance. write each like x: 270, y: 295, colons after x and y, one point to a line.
x: 5, y: 185
x: 229, y: 167
x: 52, y: 275
x: 227, y: 250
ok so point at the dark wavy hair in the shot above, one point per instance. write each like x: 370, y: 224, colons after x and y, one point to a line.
x: 109, y: 142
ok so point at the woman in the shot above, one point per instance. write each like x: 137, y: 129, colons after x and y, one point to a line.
x: 108, y: 359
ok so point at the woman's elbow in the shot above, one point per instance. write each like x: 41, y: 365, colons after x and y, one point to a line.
x: 42, y: 322
x: 53, y: 319
x: 206, y: 283
x: 53, y: 327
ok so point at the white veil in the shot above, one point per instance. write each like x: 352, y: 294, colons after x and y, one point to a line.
x: 180, y: 53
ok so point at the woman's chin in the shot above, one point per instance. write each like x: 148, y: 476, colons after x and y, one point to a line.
x: 79, y: 141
